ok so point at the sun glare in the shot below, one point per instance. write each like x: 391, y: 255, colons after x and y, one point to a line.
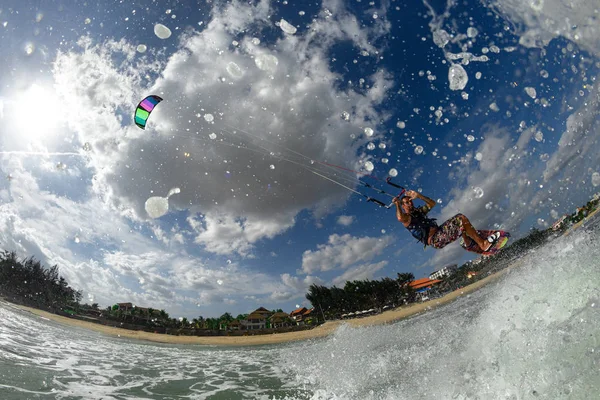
x: 36, y: 113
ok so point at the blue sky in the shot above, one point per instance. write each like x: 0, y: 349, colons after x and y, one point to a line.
x: 248, y: 104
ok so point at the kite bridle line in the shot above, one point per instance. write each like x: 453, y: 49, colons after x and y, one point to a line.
x: 388, y: 180
x: 147, y: 105
x: 352, y: 180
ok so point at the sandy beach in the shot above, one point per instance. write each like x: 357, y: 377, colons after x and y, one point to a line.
x: 318, y: 332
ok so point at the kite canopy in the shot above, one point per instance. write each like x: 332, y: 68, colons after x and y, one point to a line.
x: 144, y: 108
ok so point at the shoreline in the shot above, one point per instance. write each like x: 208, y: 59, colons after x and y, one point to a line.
x: 582, y: 222
x: 326, y: 329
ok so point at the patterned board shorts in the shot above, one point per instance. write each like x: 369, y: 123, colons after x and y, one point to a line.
x: 448, y: 232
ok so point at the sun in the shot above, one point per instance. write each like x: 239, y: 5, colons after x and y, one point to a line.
x: 35, y: 113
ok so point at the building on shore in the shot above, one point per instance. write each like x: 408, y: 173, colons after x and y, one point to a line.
x: 446, y: 271
x: 257, y: 319
x: 423, y: 286
x: 559, y: 223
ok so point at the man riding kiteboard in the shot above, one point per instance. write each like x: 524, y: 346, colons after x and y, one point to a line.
x: 427, y: 231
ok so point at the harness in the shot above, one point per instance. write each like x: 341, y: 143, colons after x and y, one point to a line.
x: 420, y: 224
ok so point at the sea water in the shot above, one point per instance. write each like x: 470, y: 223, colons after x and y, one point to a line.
x: 533, y: 334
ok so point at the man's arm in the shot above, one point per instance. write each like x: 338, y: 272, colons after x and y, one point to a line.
x: 429, y: 202
x: 402, y: 217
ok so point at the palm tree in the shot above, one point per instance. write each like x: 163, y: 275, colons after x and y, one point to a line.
x: 164, y: 317
x: 224, y: 320
x: 149, y: 315
x: 132, y: 313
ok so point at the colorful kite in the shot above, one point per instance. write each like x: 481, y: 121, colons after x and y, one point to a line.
x: 143, y: 110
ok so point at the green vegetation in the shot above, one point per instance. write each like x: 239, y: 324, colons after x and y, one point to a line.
x: 332, y: 303
x: 28, y: 283
x: 33, y: 285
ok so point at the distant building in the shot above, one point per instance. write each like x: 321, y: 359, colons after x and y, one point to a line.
x: 422, y: 286
x: 280, y: 320
x: 125, y: 306
x: 308, y: 315
x: 257, y: 319
x: 423, y: 283
x: 559, y: 223
x: 446, y: 271
x: 235, y: 325
x: 298, y: 315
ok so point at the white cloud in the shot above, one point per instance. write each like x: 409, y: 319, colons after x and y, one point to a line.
x: 256, y: 112
x: 549, y: 19
x: 578, y: 145
x: 225, y: 234
x: 293, y: 287
x: 345, y: 220
x: 300, y: 285
x: 98, y: 253
x: 360, y: 272
x: 516, y: 183
x: 342, y: 251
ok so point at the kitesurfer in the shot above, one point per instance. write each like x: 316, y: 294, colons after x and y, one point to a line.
x: 427, y: 231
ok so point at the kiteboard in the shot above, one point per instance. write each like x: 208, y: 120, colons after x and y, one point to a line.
x: 472, y: 246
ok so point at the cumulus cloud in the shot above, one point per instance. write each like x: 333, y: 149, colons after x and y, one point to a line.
x: 578, y: 145
x: 240, y: 233
x: 546, y: 20
x: 359, y: 272
x: 512, y: 182
x: 345, y: 220
x: 224, y: 134
x: 342, y: 251
x: 293, y: 287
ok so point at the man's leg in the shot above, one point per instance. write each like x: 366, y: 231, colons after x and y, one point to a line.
x: 471, y: 232
x: 468, y: 242
x: 453, y: 228
x: 449, y: 231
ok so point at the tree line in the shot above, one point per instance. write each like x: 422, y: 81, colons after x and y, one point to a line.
x: 332, y: 303
x: 34, y: 285
x: 29, y: 283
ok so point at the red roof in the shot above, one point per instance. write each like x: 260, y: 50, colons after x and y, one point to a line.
x: 423, y: 282
x: 298, y: 311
